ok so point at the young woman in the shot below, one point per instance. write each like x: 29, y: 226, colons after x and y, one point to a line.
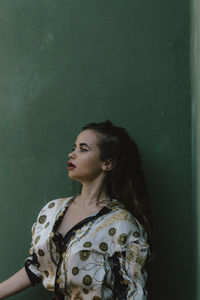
x: 93, y: 245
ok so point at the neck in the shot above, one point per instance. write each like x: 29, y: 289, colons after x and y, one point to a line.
x: 93, y: 193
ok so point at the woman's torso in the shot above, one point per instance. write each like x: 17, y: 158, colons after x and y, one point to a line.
x: 80, y: 264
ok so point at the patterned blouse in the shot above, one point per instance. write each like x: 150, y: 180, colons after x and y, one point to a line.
x: 101, y: 257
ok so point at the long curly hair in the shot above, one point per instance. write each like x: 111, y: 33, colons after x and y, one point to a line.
x: 126, y: 180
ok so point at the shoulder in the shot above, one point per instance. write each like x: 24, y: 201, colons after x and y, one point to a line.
x: 120, y: 215
x: 121, y: 225
x: 119, y: 231
x: 49, y: 212
x: 52, y: 206
x: 125, y: 222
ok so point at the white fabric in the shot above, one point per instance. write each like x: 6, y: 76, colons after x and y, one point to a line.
x: 86, y: 271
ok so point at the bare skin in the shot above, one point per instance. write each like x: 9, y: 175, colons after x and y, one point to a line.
x: 89, y: 202
x: 76, y: 213
x: 15, y: 284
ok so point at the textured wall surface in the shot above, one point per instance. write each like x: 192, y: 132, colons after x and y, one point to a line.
x: 66, y: 63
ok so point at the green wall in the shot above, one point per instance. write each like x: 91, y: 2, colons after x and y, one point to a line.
x: 195, y: 96
x: 65, y: 63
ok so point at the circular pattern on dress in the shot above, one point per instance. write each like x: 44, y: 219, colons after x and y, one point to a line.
x: 84, y: 254
x: 87, y: 244
x: 41, y: 252
x: 46, y: 225
x: 103, y: 246
x: 87, y: 280
x: 42, y: 219
x: 121, y: 240
x: 85, y: 291
x: 136, y: 234
x: 112, y: 231
x: 75, y: 271
x: 37, y: 239
x: 52, y: 204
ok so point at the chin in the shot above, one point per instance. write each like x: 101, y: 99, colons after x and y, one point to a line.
x: 71, y: 176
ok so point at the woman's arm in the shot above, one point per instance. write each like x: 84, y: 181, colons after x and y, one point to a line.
x: 129, y: 271
x: 15, y: 284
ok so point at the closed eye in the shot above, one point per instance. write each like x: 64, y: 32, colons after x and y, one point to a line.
x: 83, y: 150
x: 80, y: 147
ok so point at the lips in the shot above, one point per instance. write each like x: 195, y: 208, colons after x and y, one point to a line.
x: 71, y: 166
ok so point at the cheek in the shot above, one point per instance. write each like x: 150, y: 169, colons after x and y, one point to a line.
x: 89, y: 167
x: 91, y: 160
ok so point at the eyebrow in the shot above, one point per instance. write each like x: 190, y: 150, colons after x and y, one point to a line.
x: 83, y: 144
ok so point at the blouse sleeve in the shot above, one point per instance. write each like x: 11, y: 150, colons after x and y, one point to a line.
x: 129, y: 271
x: 32, y: 264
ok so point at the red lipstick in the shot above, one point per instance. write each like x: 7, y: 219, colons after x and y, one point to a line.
x: 71, y: 166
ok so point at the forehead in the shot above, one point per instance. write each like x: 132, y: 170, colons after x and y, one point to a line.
x: 89, y: 137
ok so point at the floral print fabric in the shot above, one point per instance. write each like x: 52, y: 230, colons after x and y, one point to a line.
x: 102, y: 257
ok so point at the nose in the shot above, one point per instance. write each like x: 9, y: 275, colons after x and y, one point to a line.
x: 71, y: 155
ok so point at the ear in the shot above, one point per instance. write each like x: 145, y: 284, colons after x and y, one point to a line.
x: 108, y: 165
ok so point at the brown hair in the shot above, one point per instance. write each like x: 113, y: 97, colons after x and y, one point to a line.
x: 126, y: 180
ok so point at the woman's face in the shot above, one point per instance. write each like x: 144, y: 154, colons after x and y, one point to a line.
x: 84, y: 161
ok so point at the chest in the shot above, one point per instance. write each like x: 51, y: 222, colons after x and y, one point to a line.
x: 73, y: 216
